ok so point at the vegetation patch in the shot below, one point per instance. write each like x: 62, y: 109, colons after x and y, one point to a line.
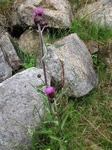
x: 91, y: 31
x: 27, y: 59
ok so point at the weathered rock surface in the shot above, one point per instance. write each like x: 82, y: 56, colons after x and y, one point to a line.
x: 58, y: 13
x: 2, y: 23
x: 105, y: 52
x: 100, y: 12
x: 29, y: 42
x: 5, y: 69
x: 17, y: 101
x: 70, y: 60
x: 92, y: 46
x: 9, y: 57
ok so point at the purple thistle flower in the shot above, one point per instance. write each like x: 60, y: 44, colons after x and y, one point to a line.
x: 48, y: 90
x: 38, y: 12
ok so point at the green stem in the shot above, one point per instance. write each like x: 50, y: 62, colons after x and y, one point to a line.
x: 43, y: 63
x: 42, y: 53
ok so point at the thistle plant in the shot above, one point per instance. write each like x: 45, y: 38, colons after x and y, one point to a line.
x: 40, y: 22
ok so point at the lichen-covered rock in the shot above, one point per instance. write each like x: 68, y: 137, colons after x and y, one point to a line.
x: 69, y: 60
x: 99, y: 12
x: 58, y: 13
x: 18, y: 100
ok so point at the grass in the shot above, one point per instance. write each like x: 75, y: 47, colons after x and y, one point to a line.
x: 77, y: 4
x: 85, y: 30
x: 54, y: 34
x: 90, y: 31
x: 97, y: 113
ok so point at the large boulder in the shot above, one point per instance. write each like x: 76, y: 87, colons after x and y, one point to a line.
x: 58, y: 13
x: 69, y: 61
x: 99, y: 12
x: 18, y: 100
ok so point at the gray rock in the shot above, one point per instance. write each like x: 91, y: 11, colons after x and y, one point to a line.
x: 92, y: 46
x: 5, y: 69
x: 29, y: 42
x: 58, y: 13
x: 2, y: 22
x: 1, y: 29
x: 99, y: 12
x: 18, y: 98
x: 9, y: 52
x: 69, y: 59
x: 105, y: 53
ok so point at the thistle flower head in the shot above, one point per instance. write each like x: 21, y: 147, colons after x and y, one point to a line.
x: 49, y: 90
x: 38, y: 12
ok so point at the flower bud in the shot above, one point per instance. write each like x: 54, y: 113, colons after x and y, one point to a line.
x: 51, y: 100
x: 38, y: 19
x: 39, y: 75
